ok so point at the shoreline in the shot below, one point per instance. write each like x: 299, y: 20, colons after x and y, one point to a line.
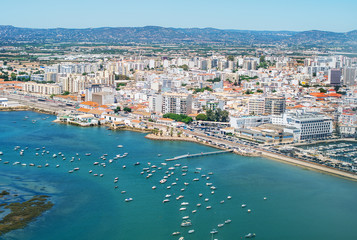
x: 262, y: 153
x: 27, y: 108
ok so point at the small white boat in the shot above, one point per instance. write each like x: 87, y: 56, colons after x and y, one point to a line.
x: 182, y: 209
x: 198, y: 205
x: 184, y: 204
x: 186, y: 223
x: 220, y: 225
x: 208, y: 207
x: 244, y: 205
x: 265, y: 198
x: 227, y: 221
x: 222, y: 201
x: 191, y: 231
x: 167, y: 195
x: 166, y: 200
x: 120, y: 146
x: 194, y: 211
x: 229, y: 197
x: 185, y: 217
x: 175, y: 233
x: 128, y: 199
x: 206, y: 199
x: 249, y: 211
x: 153, y: 187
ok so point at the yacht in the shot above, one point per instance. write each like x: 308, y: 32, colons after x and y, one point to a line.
x: 220, y: 225
x: 166, y: 200
x: 250, y: 235
x: 167, y: 195
x: 128, y: 199
x: 184, y: 204
x: 191, y: 231
x: 227, y: 221
x: 182, y: 209
x: 213, y: 231
x: 186, y: 223
x: 175, y: 233
x: 244, y: 205
x: 185, y: 217
x: 198, y: 205
x: 208, y: 207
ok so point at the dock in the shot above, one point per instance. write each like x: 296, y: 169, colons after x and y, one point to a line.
x: 198, y: 155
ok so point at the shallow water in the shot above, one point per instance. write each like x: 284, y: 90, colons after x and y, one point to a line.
x: 301, y: 204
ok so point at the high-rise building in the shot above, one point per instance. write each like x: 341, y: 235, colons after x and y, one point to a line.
x: 178, y: 103
x: 274, y: 105
x: 334, y: 77
x: 349, y: 76
x: 256, y: 106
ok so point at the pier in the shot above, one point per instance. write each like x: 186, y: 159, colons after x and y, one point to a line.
x: 198, y: 155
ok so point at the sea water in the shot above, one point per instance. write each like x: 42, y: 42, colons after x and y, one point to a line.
x: 301, y: 203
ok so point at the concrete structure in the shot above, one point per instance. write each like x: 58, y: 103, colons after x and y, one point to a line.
x: 103, y: 98
x: 178, y: 103
x: 44, y: 89
x: 307, y: 126
x: 334, y: 77
x: 274, y: 105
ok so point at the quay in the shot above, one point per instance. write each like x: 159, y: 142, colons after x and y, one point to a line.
x: 198, y: 155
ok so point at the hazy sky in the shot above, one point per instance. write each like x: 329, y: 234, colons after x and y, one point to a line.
x: 331, y: 15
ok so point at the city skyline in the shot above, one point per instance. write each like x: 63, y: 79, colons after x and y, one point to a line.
x: 239, y: 15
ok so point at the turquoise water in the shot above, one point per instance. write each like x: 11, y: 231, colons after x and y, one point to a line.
x: 301, y: 204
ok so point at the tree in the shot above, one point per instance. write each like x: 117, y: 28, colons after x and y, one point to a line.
x: 201, y: 117
x: 65, y: 93
x: 230, y: 58
x: 127, y: 109
x: 118, y: 109
x: 322, y: 90
x: 184, y: 67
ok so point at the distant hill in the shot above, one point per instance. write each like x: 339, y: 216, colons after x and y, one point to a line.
x: 162, y: 35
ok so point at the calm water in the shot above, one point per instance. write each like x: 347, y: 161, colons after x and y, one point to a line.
x: 301, y: 204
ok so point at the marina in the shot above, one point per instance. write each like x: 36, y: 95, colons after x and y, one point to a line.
x: 120, y: 194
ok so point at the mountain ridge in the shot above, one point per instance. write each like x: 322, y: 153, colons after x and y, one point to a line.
x: 164, y: 35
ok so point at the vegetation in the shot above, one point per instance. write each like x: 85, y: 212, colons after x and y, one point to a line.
x: 260, y: 91
x: 184, y: 67
x: 127, y: 109
x: 178, y: 117
x: 322, y: 90
x: 65, y: 93
x: 197, y: 90
x: 202, y: 117
x: 217, y: 116
x: 118, y: 109
x: 22, y: 213
x: 121, y: 77
x: 217, y: 79
x: 247, y: 78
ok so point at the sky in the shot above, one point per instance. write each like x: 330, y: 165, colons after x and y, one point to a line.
x: 300, y: 15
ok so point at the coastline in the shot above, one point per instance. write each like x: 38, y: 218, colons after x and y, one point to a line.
x: 27, y: 108
x: 262, y: 153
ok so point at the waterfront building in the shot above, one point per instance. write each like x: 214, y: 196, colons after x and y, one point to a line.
x: 248, y: 121
x: 307, y: 126
x: 179, y: 103
x: 44, y: 89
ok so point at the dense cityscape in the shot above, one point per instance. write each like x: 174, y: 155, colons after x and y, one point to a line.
x: 185, y: 121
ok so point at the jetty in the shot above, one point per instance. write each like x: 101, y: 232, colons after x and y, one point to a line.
x: 198, y: 155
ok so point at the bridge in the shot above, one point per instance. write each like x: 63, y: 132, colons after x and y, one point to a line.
x: 198, y: 155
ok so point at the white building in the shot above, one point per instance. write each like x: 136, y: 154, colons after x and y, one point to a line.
x: 306, y: 126
x: 178, y: 103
